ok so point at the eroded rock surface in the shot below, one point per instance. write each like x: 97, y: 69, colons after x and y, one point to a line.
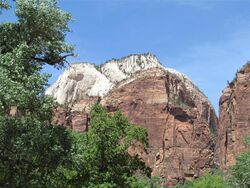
x: 234, y: 124
x: 178, y: 117
x: 79, y: 81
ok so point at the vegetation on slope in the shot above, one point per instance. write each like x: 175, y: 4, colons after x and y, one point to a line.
x: 238, y: 176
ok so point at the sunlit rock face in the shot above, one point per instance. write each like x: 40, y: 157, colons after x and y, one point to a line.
x: 78, y: 82
x: 118, y: 70
x: 83, y: 80
x: 178, y: 117
x: 234, y: 124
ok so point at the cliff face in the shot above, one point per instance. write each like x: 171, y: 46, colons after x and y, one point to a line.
x: 178, y: 117
x: 234, y: 123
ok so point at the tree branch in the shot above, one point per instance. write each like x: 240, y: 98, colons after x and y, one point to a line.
x: 50, y: 61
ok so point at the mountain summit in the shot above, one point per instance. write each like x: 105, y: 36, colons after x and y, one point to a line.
x: 82, y: 80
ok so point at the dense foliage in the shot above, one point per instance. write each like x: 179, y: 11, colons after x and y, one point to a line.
x: 102, y: 158
x: 31, y: 149
x: 37, y: 38
x: 31, y: 152
x: 237, y: 176
x: 241, y: 171
x: 209, y: 180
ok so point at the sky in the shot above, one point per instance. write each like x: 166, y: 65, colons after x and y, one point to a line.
x: 208, y: 40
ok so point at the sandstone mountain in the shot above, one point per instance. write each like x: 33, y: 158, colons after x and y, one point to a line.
x: 178, y: 116
x: 234, y: 123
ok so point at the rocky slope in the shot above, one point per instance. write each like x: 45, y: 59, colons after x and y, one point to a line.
x: 234, y: 124
x: 178, y: 117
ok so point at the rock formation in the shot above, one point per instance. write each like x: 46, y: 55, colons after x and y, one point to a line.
x: 178, y: 117
x: 234, y: 123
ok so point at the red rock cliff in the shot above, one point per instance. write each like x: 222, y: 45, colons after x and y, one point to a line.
x: 178, y: 117
x: 234, y: 121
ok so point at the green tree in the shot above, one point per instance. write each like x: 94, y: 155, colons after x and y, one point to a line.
x: 209, y: 180
x: 36, y: 39
x: 246, y: 142
x: 104, y: 151
x: 32, y: 151
x: 141, y: 181
x: 3, y: 5
x: 241, y: 171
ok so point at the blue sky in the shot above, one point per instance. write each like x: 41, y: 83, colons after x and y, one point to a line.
x: 208, y: 40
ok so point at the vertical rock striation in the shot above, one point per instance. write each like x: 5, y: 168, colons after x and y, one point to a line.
x: 234, y: 122
x: 178, y: 119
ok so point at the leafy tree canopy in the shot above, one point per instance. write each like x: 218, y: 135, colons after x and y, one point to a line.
x: 37, y: 38
x: 241, y: 171
x: 3, y: 5
x: 104, y: 151
x: 31, y: 149
x: 209, y: 180
x: 31, y: 153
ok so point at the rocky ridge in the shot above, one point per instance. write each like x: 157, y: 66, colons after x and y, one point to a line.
x: 179, y: 118
x: 83, y: 80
